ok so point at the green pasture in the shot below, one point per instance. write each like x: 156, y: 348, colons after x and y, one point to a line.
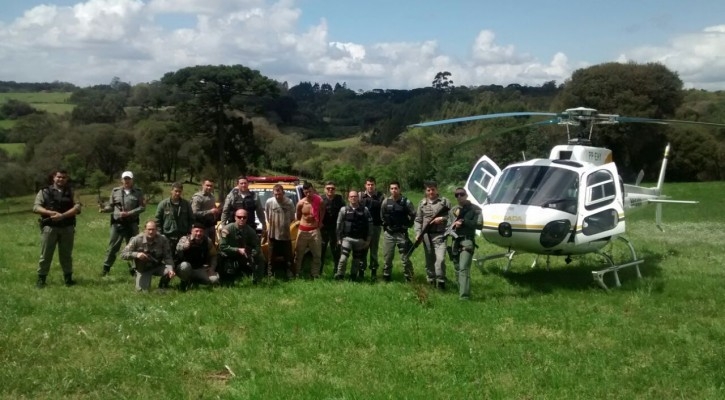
x: 13, y: 149
x: 526, y: 334
x: 36, y: 97
x: 337, y: 144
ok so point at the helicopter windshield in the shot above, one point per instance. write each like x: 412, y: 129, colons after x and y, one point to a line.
x: 544, y: 186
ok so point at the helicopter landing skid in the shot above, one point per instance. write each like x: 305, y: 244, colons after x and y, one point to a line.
x: 509, y: 254
x: 599, y: 275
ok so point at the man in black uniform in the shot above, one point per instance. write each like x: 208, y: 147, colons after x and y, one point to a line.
x: 398, y: 214
x: 354, y: 226
x: 332, y: 202
x: 58, y: 208
x: 372, y: 199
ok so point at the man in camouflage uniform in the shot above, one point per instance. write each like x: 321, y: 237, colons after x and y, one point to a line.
x: 354, y: 230
x: 432, y: 215
x: 174, y: 216
x: 203, y: 205
x: 242, y: 198
x: 398, y: 214
x: 151, y: 255
x: 126, y: 203
x: 197, y: 256
x: 241, y: 249
x: 467, y: 218
x: 58, y: 208
x: 371, y: 199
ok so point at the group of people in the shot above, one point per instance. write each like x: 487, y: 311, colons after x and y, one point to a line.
x: 201, y: 243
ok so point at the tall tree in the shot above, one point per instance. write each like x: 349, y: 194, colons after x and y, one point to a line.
x: 211, y: 97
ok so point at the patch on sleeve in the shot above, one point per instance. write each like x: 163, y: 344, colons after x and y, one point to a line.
x: 224, y: 233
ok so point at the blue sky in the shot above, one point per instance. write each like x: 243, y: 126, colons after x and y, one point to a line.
x: 368, y: 44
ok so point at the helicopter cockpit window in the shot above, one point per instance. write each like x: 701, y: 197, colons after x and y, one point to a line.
x: 481, y: 179
x: 544, y: 186
x: 601, y: 189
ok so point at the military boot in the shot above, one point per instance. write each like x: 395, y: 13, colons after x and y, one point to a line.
x: 106, y: 270
x: 41, y: 282
x: 68, y: 279
x: 373, y: 275
x: 164, y: 282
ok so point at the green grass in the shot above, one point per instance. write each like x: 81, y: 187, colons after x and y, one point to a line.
x: 13, y: 149
x: 52, y: 102
x: 337, y: 144
x: 525, y: 334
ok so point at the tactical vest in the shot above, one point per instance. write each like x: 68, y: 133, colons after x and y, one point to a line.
x: 197, y: 253
x: 395, y: 215
x: 372, y: 203
x: 356, y: 223
x: 247, y: 202
x: 332, y: 208
x: 59, y: 201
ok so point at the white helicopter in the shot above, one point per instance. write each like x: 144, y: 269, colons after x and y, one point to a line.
x: 571, y: 203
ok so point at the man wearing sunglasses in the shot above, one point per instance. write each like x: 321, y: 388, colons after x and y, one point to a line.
x: 241, y: 250
x: 467, y: 219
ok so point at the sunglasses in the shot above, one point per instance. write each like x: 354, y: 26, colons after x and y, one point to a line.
x: 460, y: 195
x: 330, y: 188
x: 238, y: 217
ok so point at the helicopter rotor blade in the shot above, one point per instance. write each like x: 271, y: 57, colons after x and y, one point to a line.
x: 664, y: 121
x: 551, y: 121
x: 481, y: 117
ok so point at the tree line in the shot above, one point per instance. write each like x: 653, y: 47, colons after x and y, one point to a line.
x: 220, y: 121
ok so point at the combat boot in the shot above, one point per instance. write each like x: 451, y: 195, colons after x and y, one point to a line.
x: 441, y: 285
x: 106, y: 270
x: 164, y: 282
x: 387, y: 278
x: 41, y: 282
x: 68, y: 278
x: 373, y: 275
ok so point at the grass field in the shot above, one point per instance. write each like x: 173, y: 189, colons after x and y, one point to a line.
x: 13, y: 148
x: 525, y: 334
x: 337, y: 144
x: 52, y: 102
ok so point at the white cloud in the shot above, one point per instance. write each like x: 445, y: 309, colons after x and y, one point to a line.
x: 95, y: 40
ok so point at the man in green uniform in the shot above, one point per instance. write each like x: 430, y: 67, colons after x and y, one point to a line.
x: 433, y: 215
x: 204, y: 208
x: 354, y: 231
x: 126, y: 203
x: 467, y: 219
x: 151, y: 255
x: 174, y: 216
x: 241, y: 249
x: 397, y: 214
x: 58, y: 208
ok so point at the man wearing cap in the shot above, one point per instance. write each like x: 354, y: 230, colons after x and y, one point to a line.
x: 125, y: 205
x: 467, y: 218
x: 198, y: 258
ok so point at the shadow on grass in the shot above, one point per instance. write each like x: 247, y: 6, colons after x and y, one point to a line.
x: 578, y: 275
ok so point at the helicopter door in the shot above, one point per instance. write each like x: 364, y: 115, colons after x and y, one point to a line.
x: 481, y: 179
x: 601, y: 211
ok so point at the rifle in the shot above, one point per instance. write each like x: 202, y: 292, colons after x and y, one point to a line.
x: 419, y: 239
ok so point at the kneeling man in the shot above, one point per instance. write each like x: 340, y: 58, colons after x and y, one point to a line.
x: 197, y: 257
x: 151, y: 255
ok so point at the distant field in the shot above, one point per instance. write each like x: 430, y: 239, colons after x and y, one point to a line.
x: 37, y: 97
x: 337, y: 144
x: 13, y: 148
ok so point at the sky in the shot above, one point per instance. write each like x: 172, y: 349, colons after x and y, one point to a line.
x: 367, y: 44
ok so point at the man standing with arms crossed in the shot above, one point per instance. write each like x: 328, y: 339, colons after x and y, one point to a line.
x: 126, y: 203
x: 58, y: 208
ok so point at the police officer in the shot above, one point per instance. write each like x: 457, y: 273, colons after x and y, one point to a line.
x: 398, y: 214
x: 241, y: 249
x: 204, y: 208
x: 242, y: 198
x: 468, y: 218
x: 197, y: 257
x: 372, y: 199
x: 354, y: 229
x: 432, y: 215
x: 174, y: 216
x: 126, y: 203
x: 151, y: 255
x: 58, y: 208
x: 332, y: 202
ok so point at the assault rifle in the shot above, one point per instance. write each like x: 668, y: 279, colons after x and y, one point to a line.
x: 424, y: 230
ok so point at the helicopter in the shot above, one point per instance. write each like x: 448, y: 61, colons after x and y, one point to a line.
x: 571, y: 203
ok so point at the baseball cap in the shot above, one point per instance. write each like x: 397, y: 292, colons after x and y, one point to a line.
x: 127, y: 174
